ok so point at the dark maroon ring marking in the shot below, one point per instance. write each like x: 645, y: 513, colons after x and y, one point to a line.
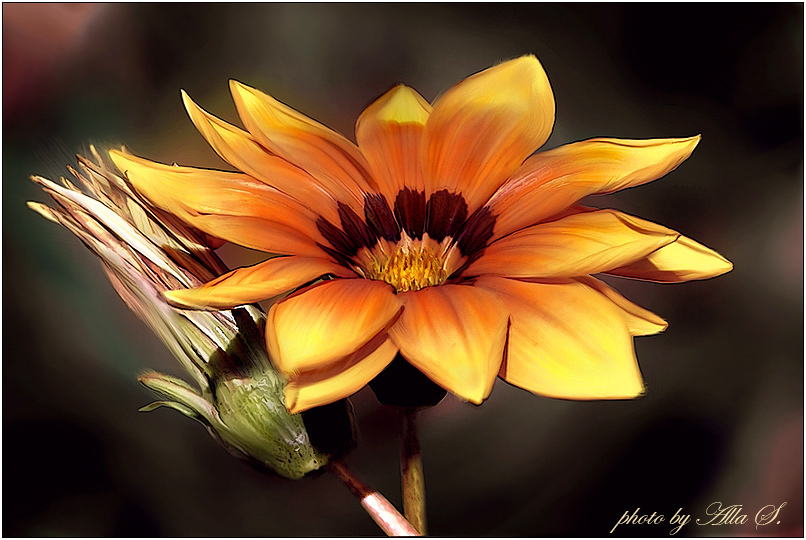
x: 476, y: 232
x: 356, y: 228
x: 379, y: 217
x: 410, y: 212
x: 336, y: 237
x: 444, y: 215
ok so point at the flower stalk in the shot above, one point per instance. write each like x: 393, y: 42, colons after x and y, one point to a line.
x: 376, y: 505
x: 411, y: 473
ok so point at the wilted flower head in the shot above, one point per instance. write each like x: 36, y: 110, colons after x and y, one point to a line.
x: 445, y: 241
x: 145, y: 252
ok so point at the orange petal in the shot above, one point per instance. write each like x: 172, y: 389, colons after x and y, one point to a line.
x: 327, y: 156
x: 576, y: 245
x: 389, y: 134
x: 455, y: 335
x: 566, y: 340
x: 240, y: 150
x: 224, y: 204
x: 255, y: 283
x: 640, y: 321
x: 315, y: 388
x: 328, y: 321
x: 483, y: 128
x: 259, y: 234
x: 550, y: 181
x: 682, y: 260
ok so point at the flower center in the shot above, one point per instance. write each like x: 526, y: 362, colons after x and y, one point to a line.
x: 408, y: 269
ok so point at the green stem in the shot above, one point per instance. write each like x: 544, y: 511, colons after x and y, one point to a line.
x: 411, y: 471
x: 376, y: 505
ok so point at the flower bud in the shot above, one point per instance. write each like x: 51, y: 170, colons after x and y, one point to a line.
x: 145, y: 252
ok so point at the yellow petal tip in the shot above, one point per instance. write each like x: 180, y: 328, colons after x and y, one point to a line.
x: 196, y: 113
x: 694, y: 140
x: 403, y: 105
x: 528, y: 65
x: 710, y: 264
x: 646, y: 327
x: 201, y: 298
x: 237, y: 87
x: 184, y: 299
x: 476, y: 396
x: 174, y: 298
x: 292, y: 398
x: 241, y: 93
x: 190, y: 106
x: 121, y: 159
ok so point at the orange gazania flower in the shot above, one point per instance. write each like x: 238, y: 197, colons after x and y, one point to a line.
x: 441, y: 239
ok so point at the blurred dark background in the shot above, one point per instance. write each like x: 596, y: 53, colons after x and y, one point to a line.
x: 723, y: 419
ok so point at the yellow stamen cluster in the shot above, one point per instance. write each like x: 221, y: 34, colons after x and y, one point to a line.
x: 409, y: 270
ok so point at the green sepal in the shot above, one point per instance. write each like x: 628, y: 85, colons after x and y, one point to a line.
x: 248, y: 416
x: 181, y: 393
x: 187, y: 411
x: 259, y: 425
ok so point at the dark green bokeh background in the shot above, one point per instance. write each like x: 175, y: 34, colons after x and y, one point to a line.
x: 723, y: 419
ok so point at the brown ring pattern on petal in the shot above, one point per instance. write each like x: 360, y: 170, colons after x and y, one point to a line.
x: 446, y: 213
x: 413, y: 225
x: 410, y: 212
x: 380, y: 218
